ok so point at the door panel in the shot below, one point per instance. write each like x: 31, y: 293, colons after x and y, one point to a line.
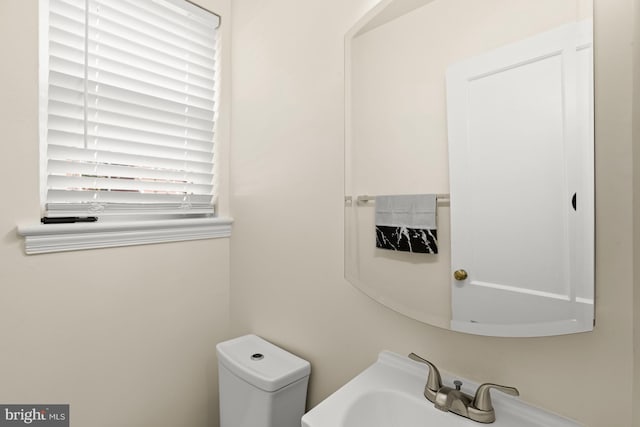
x: 520, y: 124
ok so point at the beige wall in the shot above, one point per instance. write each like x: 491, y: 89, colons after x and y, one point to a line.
x: 135, y: 330
x: 287, y: 249
x: 126, y: 336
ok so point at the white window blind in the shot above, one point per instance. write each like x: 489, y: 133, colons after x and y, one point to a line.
x: 128, y: 108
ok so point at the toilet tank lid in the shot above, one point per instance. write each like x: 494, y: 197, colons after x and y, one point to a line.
x: 261, y: 363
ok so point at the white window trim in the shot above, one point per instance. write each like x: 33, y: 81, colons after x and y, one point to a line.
x: 112, y: 232
x: 49, y: 238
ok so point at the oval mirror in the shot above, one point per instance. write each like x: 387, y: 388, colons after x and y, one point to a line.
x: 469, y: 163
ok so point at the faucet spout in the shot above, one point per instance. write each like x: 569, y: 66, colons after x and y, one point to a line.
x: 453, y: 400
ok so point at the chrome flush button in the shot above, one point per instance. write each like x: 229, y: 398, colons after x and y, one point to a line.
x: 257, y: 356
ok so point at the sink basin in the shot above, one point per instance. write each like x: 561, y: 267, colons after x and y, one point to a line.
x: 389, y: 394
x: 384, y: 408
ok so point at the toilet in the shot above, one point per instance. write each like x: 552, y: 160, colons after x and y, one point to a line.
x: 260, y: 384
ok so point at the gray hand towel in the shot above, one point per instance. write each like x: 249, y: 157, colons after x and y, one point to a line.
x: 407, y: 223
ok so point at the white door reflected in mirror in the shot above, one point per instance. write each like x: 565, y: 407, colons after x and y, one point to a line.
x: 520, y: 159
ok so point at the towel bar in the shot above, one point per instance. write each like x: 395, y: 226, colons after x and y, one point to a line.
x: 365, y: 198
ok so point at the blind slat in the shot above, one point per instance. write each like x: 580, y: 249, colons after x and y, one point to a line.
x: 65, y: 153
x: 67, y: 22
x: 98, y: 130
x: 94, y: 168
x: 101, y: 81
x: 64, y: 38
x: 182, y: 82
x: 77, y: 140
x: 89, y: 183
x: 60, y: 197
x: 108, y: 208
x: 147, y: 102
x: 61, y: 99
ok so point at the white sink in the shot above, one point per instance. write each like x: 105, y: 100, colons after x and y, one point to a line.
x: 389, y: 394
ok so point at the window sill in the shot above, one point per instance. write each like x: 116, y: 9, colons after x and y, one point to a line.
x: 48, y: 238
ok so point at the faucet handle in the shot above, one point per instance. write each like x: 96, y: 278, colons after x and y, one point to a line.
x: 434, y: 381
x: 482, y: 399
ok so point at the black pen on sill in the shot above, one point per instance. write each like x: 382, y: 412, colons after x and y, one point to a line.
x: 68, y: 219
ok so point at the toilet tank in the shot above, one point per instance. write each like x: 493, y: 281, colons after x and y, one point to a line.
x: 261, y: 385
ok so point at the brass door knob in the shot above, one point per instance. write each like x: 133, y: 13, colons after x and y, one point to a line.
x: 460, y: 275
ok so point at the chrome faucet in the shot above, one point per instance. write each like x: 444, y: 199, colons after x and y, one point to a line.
x: 447, y: 399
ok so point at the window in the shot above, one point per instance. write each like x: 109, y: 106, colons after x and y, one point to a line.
x: 128, y: 109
